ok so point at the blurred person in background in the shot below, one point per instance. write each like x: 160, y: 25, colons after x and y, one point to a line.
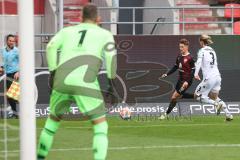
x: 10, y: 66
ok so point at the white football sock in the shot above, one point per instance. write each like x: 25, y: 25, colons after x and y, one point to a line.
x: 224, y: 107
x: 206, y: 100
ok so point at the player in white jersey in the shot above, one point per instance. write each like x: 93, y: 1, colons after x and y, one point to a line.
x: 208, y: 90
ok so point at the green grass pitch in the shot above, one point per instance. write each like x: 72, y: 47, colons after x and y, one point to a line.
x: 202, y: 138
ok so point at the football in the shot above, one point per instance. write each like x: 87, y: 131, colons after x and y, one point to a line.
x: 125, y: 113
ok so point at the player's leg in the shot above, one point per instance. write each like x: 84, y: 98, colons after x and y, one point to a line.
x: 188, y: 95
x: 175, y: 96
x: 95, y: 110
x: 173, y: 102
x: 222, y: 105
x: 214, y: 94
x: 47, y: 136
x: 202, y: 91
x: 185, y: 94
x: 59, y: 103
x: 180, y: 92
x: 100, y: 138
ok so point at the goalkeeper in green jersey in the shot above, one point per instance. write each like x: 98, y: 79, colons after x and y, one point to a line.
x: 75, y: 55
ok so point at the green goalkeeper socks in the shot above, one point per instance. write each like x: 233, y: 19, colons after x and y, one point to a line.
x: 100, y: 141
x: 46, y: 138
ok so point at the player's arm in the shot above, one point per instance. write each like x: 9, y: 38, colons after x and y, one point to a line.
x: 52, y: 48
x: 110, y: 57
x: 198, y: 65
x: 192, y: 64
x: 172, y: 70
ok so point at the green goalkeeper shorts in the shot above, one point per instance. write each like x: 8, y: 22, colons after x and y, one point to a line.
x: 89, y: 106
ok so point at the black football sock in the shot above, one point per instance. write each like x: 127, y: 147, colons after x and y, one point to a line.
x: 171, y: 106
x: 188, y: 95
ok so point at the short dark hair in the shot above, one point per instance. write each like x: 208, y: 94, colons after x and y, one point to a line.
x: 184, y: 41
x: 90, y: 12
x: 8, y: 36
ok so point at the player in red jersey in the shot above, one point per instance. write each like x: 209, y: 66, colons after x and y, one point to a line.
x: 185, y: 66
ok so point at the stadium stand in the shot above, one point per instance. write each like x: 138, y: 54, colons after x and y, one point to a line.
x: 222, y: 2
x: 72, y: 11
x: 10, y: 7
x: 237, y: 28
x: 208, y: 15
x: 225, y: 14
x: 198, y: 15
x: 228, y: 12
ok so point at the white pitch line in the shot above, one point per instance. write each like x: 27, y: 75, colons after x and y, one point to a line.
x: 10, y: 140
x: 157, y: 125
x: 9, y: 126
x: 141, y: 126
x: 14, y: 154
x: 142, y: 147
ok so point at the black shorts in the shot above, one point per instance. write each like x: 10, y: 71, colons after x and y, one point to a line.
x: 9, y: 81
x: 179, y: 88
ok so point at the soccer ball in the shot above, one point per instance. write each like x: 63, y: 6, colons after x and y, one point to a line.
x: 125, y: 113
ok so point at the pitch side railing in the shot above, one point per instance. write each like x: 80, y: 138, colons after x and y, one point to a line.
x: 178, y: 11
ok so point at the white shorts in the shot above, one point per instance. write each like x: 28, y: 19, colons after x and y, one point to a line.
x: 212, y: 84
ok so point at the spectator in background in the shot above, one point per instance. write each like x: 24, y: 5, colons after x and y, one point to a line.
x: 10, y: 66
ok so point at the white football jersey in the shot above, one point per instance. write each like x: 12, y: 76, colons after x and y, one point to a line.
x: 207, y: 61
